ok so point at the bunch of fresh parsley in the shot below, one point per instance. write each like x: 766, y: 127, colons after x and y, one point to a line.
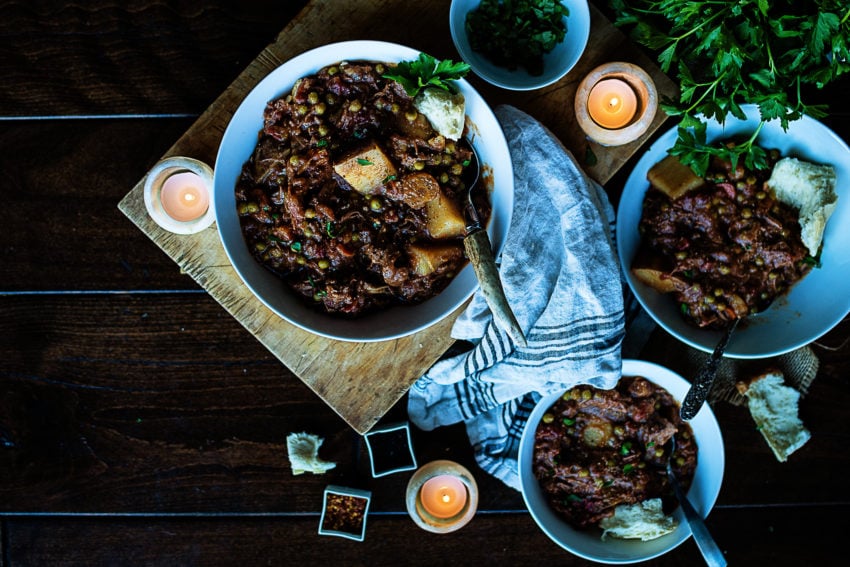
x: 726, y: 53
x: 425, y: 72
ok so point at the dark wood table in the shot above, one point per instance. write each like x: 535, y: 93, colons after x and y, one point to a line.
x: 141, y: 424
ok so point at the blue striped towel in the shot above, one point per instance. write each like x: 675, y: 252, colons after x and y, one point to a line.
x: 561, y: 278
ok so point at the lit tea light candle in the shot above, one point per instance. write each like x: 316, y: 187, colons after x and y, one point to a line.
x: 443, y: 496
x: 184, y: 196
x: 615, y: 103
x: 612, y: 103
x: 178, y: 195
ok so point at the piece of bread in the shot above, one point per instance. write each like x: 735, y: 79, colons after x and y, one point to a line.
x: 774, y: 408
x: 673, y: 178
x: 303, y: 449
x: 444, y: 110
x: 644, y: 520
x: 811, y: 189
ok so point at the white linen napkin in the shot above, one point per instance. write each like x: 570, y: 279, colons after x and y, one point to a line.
x: 561, y: 278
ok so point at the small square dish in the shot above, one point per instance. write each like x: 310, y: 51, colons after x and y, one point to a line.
x: 390, y: 449
x: 344, y: 512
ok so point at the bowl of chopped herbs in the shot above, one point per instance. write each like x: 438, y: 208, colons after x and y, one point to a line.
x: 523, y: 44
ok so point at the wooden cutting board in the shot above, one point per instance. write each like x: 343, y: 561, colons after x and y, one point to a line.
x: 362, y: 381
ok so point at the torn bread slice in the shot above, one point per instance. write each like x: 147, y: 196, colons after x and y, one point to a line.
x: 810, y: 188
x: 774, y: 407
x: 644, y: 521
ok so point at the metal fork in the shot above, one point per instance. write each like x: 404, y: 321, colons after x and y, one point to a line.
x: 706, y: 544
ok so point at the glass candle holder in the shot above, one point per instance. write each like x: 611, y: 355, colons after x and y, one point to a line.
x: 616, y: 103
x: 179, y: 195
x: 442, y: 497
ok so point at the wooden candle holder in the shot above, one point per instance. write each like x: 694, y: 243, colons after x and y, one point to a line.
x: 647, y: 98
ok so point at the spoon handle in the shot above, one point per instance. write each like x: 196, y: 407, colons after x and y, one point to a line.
x: 480, y: 254
x: 708, y: 547
x: 702, y: 384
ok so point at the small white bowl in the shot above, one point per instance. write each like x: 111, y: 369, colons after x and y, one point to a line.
x: 702, y: 494
x: 391, y: 443
x: 557, y: 63
x: 349, y: 493
x: 815, y: 304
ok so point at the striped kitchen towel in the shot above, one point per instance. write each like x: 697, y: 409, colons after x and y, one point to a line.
x: 562, y: 279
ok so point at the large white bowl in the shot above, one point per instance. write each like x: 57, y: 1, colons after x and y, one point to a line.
x: 814, y: 305
x: 702, y: 493
x: 238, y: 143
x: 557, y: 62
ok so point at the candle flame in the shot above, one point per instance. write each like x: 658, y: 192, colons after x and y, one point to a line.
x: 446, y: 498
x: 613, y: 102
x: 189, y: 197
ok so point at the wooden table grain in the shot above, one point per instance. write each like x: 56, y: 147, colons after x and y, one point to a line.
x: 140, y: 423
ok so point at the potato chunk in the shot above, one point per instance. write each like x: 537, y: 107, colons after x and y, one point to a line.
x: 673, y: 178
x: 444, y: 218
x: 651, y: 269
x: 426, y: 259
x: 366, y: 170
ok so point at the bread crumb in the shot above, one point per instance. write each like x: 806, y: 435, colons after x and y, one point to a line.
x: 303, y: 449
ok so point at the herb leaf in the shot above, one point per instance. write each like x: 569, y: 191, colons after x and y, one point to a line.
x: 426, y: 71
x: 726, y: 54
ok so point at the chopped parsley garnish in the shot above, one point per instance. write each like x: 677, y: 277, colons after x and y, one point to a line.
x: 362, y: 161
x: 518, y: 33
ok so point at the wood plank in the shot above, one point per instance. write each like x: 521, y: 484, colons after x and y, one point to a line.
x: 762, y: 536
x: 61, y: 230
x: 129, y: 404
x: 128, y: 57
x: 371, y: 376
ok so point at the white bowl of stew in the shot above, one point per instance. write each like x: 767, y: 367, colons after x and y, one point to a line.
x: 812, y: 306
x: 239, y: 142
x: 588, y: 543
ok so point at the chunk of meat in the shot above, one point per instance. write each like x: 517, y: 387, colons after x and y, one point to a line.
x: 414, y: 190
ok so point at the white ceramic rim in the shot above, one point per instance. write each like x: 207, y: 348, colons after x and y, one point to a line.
x: 389, y: 429
x: 708, y: 478
x: 245, y: 122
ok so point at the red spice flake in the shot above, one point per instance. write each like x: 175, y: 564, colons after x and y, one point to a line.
x: 344, y: 513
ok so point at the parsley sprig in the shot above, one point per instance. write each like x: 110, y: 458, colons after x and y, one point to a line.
x: 426, y: 71
x: 727, y: 53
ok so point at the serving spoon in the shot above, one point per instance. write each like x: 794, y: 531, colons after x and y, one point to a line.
x: 702, y: 383
x: 706, y: 544
x: 480, y: 254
